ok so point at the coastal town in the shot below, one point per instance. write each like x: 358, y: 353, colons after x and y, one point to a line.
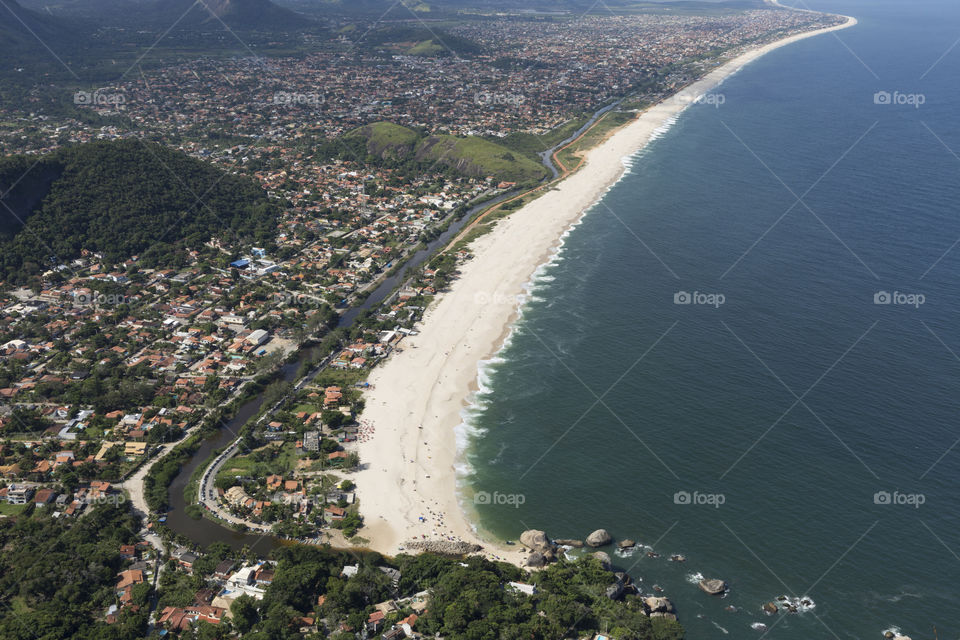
x: 113, y: 372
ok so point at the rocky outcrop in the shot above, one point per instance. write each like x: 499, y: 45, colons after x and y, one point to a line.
x: 714, y: 586
x: 664, y: 614
x: 565, y: 542
x: 537, y: 540
x: 770, y: 608
x: 659, y: 605
x: 603, y: 558
x: 443, y: 547
x: 626, y: 544
x: 599, y: 538
x: 536, y: 560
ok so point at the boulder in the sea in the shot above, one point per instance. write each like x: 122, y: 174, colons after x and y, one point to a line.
x: 623, y: 577
x: 536, y: 560
x: 569, y: 542
x: 603, y: 558
x: 901, y: 637
x: 627, y: 544
x: 770, y: 608
x: 678, y: 558
x: 599, y: 538
x: 536, y: 540
x: 714, y: 586
x: 889, y: 635
x: 656, y: 604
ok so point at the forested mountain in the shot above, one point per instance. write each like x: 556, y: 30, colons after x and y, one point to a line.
x: 120, y: 199
x: 23, y: 31
x: 236, y: 14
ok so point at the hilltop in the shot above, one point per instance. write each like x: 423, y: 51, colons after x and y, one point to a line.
x: 471, y: 156
x: 120, y: 199
x: 238, y: 14
x: 22, y: 30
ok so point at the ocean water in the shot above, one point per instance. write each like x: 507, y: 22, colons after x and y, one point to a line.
x: 783, y: 431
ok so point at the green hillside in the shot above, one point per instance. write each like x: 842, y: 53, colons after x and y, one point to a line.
x: 471, y: 156
x: 478, y: 157
x: 121, y: 199
x: 386, y: 140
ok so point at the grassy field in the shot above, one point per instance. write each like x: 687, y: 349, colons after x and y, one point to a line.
x: 479, y: 157
x: 470, y: 155
x: 7, y: 509
x: 530, y: 145
x: 571, y: 156
x: 259, y: 463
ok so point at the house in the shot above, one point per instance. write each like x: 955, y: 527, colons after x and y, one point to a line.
x: 522, y: 587
x: 181, y: 618
x: 129, y: 578
x: 134, y: 449
x: 222, y: 572
x: 44, y: 496
x: 258, y: 337
x: 311, y: 441
x: 186, y: 560
x: 375, y: 621
x: 19, y: 494
x: 333, y: 512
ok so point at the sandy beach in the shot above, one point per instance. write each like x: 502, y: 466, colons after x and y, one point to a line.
x: 408, y: 487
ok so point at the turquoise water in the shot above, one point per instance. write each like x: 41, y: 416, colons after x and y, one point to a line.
x: 795, y: 406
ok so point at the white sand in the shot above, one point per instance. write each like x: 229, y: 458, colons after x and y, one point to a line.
x: 418, y: 394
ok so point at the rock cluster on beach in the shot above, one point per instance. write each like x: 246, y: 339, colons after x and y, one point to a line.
x: 443, y: 547
x: 543, y: 550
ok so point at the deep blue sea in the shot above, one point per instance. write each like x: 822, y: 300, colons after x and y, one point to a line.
x: 792, y: 429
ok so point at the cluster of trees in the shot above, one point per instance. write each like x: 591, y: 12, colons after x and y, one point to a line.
x: 469, y: 598
x: 121, y: 199
x: 57, y: 575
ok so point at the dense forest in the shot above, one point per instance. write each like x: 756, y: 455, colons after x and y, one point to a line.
x: 120, y: 199
x: 57, y: 575
x: 469, y: 598
x: 57, y: 579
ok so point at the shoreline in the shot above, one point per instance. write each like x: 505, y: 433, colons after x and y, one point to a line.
x: 407, y: 487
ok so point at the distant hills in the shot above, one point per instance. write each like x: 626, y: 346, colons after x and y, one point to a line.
x: 242, y: 14
x: 121, y: 199
x: 471, y: 156
x: 21, y: 30
x: 236, y: 14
